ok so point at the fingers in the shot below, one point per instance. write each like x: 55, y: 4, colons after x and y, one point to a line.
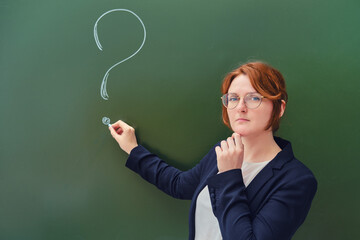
x: 224, y: 145
x: 218, y: 150
x: 124, y: 135
x: 231, y: 143
x: 120, y: 127
x: 121, y: 124
x: 237, y: 139
x: 230, y: 153
x: 113, y: 132
x: 119, y: 130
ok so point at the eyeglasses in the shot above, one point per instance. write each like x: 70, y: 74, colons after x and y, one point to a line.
x: 251, y: 100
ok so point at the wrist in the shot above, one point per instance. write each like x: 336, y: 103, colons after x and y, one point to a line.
x: 130, y: 148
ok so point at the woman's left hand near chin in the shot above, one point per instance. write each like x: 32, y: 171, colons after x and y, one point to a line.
x: 231, y: 153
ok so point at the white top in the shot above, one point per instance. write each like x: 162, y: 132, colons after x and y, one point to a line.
x: 206, y: 224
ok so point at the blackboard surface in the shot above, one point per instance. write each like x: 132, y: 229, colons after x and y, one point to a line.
x: 62, y: 176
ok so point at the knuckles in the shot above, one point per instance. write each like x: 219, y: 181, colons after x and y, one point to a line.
x: 230, y: 153
x: 130, y: 130
x: 226, y: 151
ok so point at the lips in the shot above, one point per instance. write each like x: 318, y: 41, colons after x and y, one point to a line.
x: 242, y: 120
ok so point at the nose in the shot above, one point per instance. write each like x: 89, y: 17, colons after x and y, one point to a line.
x: 241, y: 105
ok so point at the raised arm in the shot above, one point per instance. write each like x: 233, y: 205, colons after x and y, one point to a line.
x: 176, y: 183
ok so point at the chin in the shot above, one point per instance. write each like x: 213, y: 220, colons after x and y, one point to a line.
x: 246, y: 131
x: 241, y: 130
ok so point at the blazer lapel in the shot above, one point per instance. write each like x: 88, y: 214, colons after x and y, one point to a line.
x: 269, y: 170
x: 258, y: 182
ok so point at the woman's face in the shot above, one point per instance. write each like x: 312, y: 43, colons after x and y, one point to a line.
x: 245, y: 121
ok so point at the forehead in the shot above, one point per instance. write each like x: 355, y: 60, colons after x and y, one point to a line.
x: 241, y: 84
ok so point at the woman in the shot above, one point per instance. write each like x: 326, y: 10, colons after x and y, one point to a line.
x: 249, y: 186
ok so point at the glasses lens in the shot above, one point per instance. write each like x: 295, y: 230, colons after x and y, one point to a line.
x: 253, y: 100
x: 230, y: 100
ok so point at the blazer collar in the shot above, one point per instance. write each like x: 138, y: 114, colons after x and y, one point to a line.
x: 285, y: 155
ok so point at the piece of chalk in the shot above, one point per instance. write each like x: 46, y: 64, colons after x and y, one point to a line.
x: 109, y: 125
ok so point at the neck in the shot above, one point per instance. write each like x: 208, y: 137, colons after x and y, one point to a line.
x: 260, y: 148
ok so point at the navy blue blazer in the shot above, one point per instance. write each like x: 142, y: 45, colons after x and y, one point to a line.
x: 273, y: 206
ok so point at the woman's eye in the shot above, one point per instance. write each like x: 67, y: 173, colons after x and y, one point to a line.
x: 254, y: 98
x: 233, y: 99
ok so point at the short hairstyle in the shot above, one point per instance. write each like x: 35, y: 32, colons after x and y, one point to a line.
x: 266, y: 80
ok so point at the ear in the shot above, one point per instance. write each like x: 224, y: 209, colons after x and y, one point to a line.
x: 282, y: 108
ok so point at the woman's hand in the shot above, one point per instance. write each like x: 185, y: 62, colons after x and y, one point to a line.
x: 124, y: 135
x: 231, y: 153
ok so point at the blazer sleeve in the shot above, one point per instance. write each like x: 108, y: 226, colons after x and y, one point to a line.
x: 174, y: 182
x: 283, y: 212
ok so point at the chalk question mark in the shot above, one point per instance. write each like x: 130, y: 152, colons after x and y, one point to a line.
x: 103, y: 91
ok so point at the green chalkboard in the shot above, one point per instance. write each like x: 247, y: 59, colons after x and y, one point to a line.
x: 62, y: 176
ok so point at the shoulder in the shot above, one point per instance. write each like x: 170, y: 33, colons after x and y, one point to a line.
x: 296, y: 169
x: 297, y: 178
x: 289, y: 168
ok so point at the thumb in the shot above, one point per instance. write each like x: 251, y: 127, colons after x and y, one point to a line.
x: 113, y: 132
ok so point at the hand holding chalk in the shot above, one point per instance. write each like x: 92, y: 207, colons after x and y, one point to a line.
x: 124, y: 135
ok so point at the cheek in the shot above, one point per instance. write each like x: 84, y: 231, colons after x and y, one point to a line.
x: 266, y: 114
x: 231, y: 115
x: 232, y: 118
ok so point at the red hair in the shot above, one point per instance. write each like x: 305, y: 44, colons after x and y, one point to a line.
x: 267, y: 81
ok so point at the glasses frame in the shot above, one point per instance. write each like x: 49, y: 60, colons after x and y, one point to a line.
x: 223, y: 97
